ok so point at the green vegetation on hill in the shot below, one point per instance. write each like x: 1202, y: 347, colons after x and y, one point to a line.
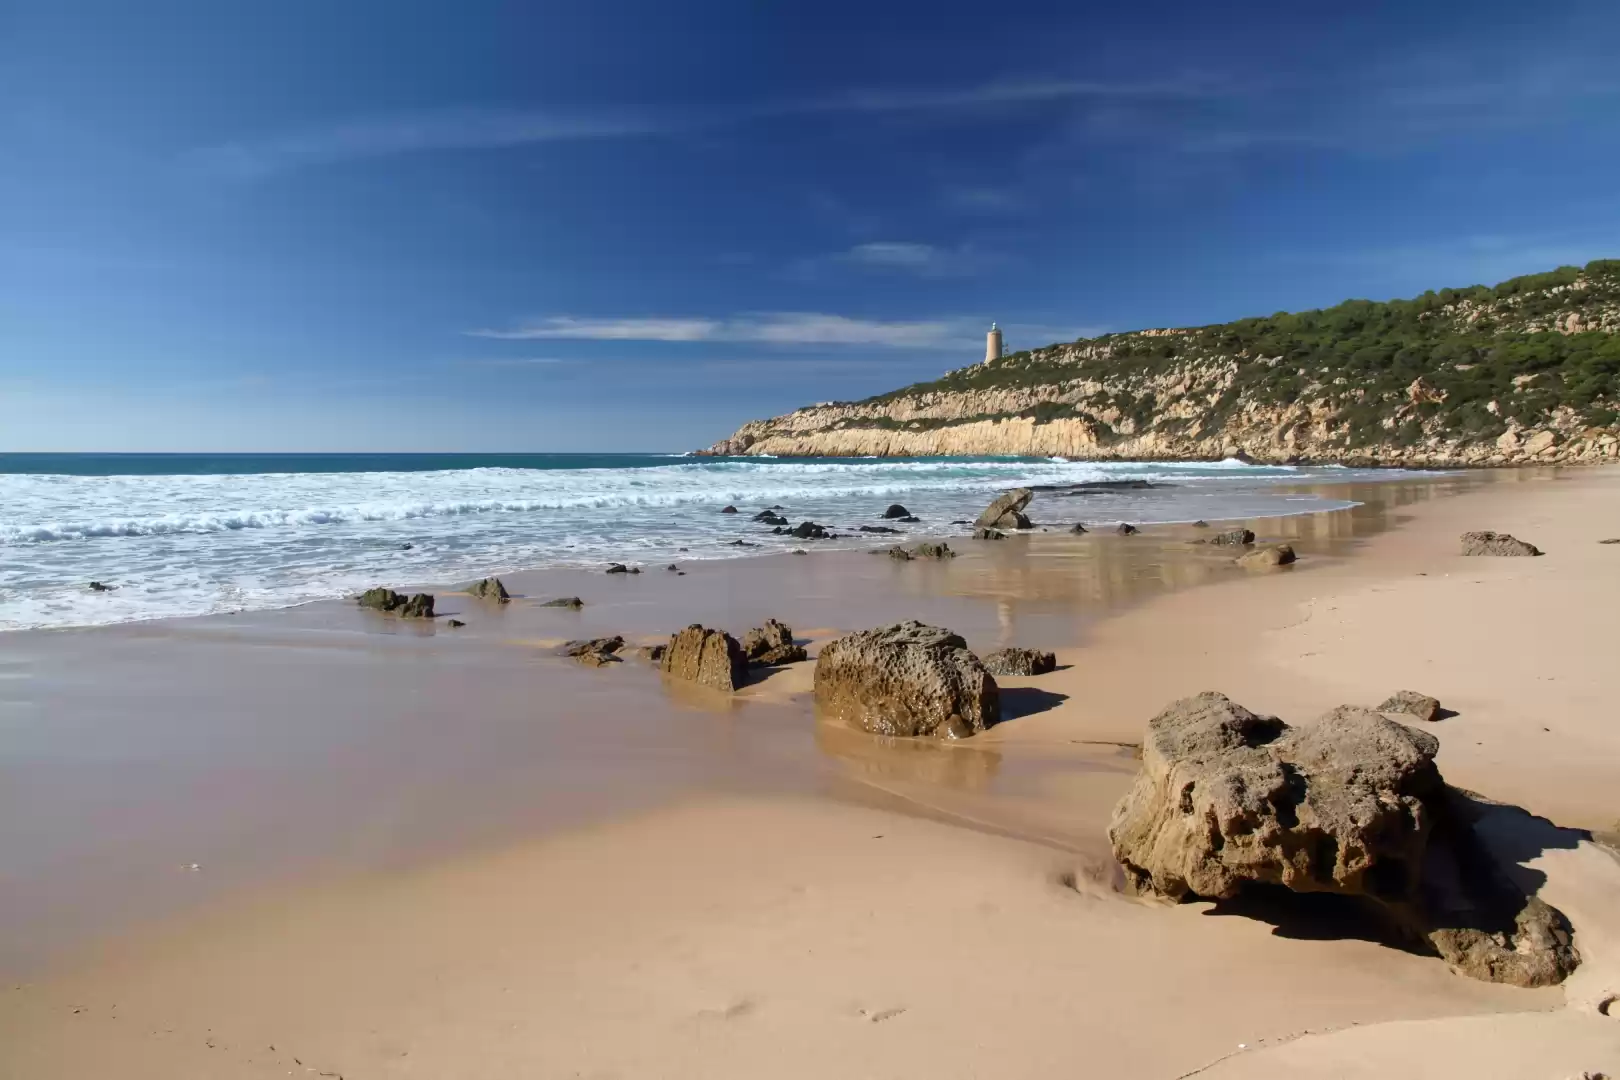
x: 1470, y: 347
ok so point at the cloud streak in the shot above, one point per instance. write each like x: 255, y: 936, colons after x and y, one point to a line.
x: 784, y: 328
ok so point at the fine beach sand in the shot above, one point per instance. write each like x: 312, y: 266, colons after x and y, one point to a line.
x: 750, y: 894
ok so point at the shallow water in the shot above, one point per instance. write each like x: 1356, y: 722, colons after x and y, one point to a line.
x: 203, y: 534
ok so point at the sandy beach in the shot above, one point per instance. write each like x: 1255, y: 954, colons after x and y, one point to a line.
x: 431, y: 853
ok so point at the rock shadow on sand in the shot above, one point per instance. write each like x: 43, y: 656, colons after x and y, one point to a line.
x: 1018, y: 702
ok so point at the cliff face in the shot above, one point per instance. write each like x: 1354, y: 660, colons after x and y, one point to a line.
x: 1528, y: 371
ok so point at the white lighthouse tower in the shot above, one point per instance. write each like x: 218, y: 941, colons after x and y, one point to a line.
x: 992, y: 344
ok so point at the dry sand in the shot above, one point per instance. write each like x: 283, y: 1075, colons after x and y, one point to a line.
x: 948, y: 913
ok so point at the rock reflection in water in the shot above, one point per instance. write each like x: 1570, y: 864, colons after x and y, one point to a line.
x: 952, y: 763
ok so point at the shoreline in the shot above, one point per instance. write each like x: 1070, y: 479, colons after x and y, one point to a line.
x: 1023, y: 893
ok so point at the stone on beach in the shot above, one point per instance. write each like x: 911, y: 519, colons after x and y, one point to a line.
x: 895, y: 510
x: 1016, y: 661
x: 1272, y: 555
x: 1078, y: 529
x: 572, y: 602
x: 1495, y: 543
x: 989, y: 534
x: 417, y: 606
x: 1351, y: 805
x: 1231, y: 538
x: 928, y: 550
x: 1126, y: 529
x: 618, y: 568
x: 1412, y: 703
x: 711, y: 658
x: 809, y: 530
x: 899, y: 554
x: 490, y: 588
x: 101, y: 586
x: 585, y: 648
x: 1007, y: 511
x: 907, y: 679
x: 876, y: 529
x: 455, y: 624
x: 771, y: 644
x: 728, y: 510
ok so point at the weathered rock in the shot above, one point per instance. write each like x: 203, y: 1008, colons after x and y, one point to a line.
x: 940, y: 550
x: 809, y: 530
x: 1126, y: 530
x: 771, y: 645
x: 455, y: 624
x: 618, y: 568
x: 597, y: 659
x: 573, y: 602
x: 1412, y: 703
x: 770, y: 517
x: 1351, y: 805
x: 607, y: 645
x: 102, y: 586
x: 1200, y: 524
x: 1495, y: 543
x: 1271, y: 555
x: 909, y: 518
x: 1078, y: 529
x: 653, y: 654
x: 899, y: 554
x: 1016, y: 661
x: 877, y: 529
x: 672, y: 568
x: 989, y: 534
x: 895, y: 510
x: 1227, y: 798
x: 1007, y: 510
x: 798, y: 551
x: 1231, y: 538
x: 906, y: 679
x: 417, y: 606
x: 710, y: 658
x: 728, y: 510
x: 490, y: 588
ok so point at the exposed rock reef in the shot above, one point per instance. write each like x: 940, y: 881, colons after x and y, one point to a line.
x: 771, y: 645
x: 416, y: 606
x: 1351, y: 805
x: 1007, y: 512
x: 490, y: 588
x: 1524, y: 372
x: 906, y: 679
x: 1016, y: 661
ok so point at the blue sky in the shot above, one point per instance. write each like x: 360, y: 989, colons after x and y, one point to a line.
x: 496, y: 226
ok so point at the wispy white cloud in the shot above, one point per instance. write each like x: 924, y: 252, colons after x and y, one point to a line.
x: 903, y: 257
x: 769, y: 328
x: 514, y: 361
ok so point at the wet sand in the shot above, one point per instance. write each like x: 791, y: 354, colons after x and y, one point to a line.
x: 426, y: 852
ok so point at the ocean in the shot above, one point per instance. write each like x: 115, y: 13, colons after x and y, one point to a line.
x: 196, y: 534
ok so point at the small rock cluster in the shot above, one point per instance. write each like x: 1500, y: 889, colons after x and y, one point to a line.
x: 1495, y: 543
x: 416, y: 606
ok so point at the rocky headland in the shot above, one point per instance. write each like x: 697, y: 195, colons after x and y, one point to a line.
x: 1523, y: 372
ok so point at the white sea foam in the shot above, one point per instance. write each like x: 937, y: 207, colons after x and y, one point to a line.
x: 188, y: 544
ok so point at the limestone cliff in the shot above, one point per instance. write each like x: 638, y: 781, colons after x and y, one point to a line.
x: 1527, y: 371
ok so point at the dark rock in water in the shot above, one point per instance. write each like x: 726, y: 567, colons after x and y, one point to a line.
x: 741, y: 543
x: 618, y: 568
x: 961, y: 521
x: 1412, y: 703
x: 770, y: 517
x: 1231, y: 538
x: 1095, y: 487
x: 573, y: 602
x: 710, y: 658
x: 771, y: 645
x: 1352, y: 805
x: 1200, y: 524
x: 635, y: 569
x: 1273, y: 555
x: 653, y: 654
x: 1078, y: 529
x: 1494, y: 543
x: 417, y: 606
x: 728, y: 510
x: 1007, y: 511
x: 899, y: 554
x: 906, y: 679
x: 877, y: 529
x: 776, y: 506
x: 406, y: 547
x: 940, y: 550
x: 673, y: 567
x: 909, y: 518
x: 809, y: 530
x: 101, y: 586
x: 455, y: 624
x: 1015, y: 661
x: 490, y: 588
x: 799, y: 551
x: 895, y: 510
x: 607, y: 645
x: 989, y: 534
x: 1126, y: 530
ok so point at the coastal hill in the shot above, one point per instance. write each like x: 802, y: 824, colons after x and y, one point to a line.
x: 1527, y: 371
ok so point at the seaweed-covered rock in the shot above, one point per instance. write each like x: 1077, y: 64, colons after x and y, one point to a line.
x: 771, y: 644
x: 1495, y: 543
x: 894, y: 511
x: 906, y: 679
x: 416, y: 606
x: 490, y: 588
x: 710, y: 658
x: 1271, y: 555
x: 1015, y: 661
x: 1412, y: 703
x: 573, y: 603
x: 1007, y: 511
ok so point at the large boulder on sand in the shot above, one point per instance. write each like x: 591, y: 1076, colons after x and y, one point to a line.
x: 1495, y: 543
x: 1272, y: 555
x: 1353, y: 805
x: 906, y: 679
x: 771, y: 644
x: 1016, y: 661
x: 1007, y: 512
x: 1413, y: 704
x: 710, y: 658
